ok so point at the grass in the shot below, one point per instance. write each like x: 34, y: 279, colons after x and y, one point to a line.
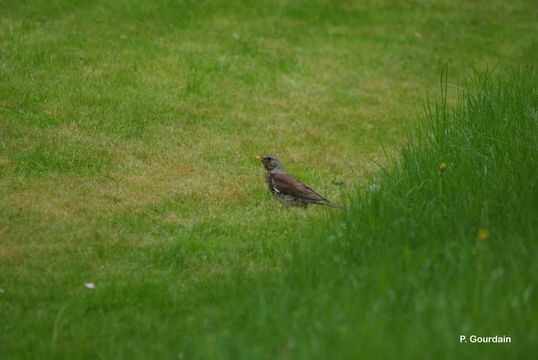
x: 406, y: 265
x: 127, y: 135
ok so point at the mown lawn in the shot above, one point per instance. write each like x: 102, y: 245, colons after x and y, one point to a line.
x: 127, y: 136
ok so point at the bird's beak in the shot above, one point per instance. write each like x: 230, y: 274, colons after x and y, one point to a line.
x: 259, y: 158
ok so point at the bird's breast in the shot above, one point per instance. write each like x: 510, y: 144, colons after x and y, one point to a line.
x: 271, y: 184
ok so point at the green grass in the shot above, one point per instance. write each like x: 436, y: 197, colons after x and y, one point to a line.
x: 127, y: 136
x: 403, y: 272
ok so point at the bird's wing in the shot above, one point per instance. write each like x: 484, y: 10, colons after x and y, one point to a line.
x: 288, y: 184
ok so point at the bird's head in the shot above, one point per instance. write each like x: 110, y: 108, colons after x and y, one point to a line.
x: 269, y: 162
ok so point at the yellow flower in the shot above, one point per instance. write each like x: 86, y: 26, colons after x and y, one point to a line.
x: 483, y: 234
x: 442, y: 168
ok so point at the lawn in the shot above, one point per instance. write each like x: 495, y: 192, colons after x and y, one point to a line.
x: 128, y: 131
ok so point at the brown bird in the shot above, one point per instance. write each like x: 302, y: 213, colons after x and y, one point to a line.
x: 287, y: 189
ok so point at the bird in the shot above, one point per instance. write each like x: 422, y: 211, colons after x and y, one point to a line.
x: 287, y: 189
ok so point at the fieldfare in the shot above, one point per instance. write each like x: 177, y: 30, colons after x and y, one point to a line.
x: 287, y: 189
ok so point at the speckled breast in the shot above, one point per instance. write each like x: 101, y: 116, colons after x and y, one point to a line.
x: 284, y: 199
